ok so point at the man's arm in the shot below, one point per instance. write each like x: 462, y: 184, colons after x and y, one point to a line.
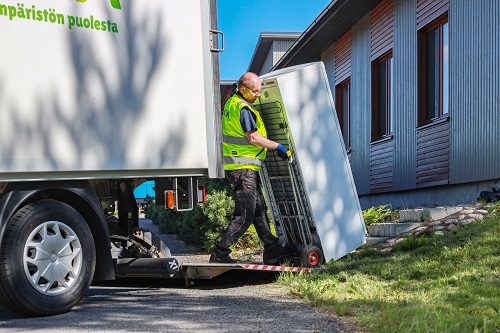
x: 256, y: 139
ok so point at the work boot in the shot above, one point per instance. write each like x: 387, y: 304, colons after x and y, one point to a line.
x: 277, y: 254
x: 222, y: 260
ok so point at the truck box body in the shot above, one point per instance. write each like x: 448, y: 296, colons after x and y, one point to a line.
x: 297, y: 107
x: 109, y: 88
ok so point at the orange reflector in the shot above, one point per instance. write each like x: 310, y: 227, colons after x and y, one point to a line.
x: 169, y: 199
x: 202, y: 194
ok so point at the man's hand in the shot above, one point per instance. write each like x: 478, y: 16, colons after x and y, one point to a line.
x: 282, y: 152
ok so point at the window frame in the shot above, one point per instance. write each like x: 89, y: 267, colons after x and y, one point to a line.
x: 376, y: 112
x: 438, y: 24
x: 339, y: 105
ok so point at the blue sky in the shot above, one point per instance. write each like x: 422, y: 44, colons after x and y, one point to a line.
x: 243, y: 21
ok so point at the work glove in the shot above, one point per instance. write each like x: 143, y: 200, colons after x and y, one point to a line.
x: 283, y: 152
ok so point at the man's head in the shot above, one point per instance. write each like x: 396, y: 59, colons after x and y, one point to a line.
x: 249, y: 86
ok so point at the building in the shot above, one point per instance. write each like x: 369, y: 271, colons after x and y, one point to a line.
x: 417, y: 90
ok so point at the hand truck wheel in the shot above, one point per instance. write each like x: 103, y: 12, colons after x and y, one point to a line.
x: 311, y: 256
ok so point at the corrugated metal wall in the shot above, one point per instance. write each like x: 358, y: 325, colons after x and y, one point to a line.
x: 328, y: 58
x: 277, y: 50
x: 474, y: 101
x: 405, y: 94
x: 474, y: 90
x: 361, y: 105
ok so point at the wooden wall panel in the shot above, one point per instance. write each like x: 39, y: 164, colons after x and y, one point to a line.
x: 343, y: 58
x: 429, y: 10
x: 382, y: 28
x: 382, y: 166
x: 433, y: 155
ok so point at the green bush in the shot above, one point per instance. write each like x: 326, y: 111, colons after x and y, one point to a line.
x: 377, y: 214
x: 494, y: 209
x: 204, y: 225
x: 217, y: 212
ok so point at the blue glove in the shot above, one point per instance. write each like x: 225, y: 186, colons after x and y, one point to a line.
x: 282, y: 152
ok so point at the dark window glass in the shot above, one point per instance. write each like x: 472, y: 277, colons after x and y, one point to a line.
x: 343, y: 105
x: 382, y: 100
x: 434, y: 71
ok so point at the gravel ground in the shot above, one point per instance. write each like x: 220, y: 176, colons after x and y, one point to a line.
x: 236, y: 301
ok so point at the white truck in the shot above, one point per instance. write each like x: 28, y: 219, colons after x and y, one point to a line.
x: 96, y: 96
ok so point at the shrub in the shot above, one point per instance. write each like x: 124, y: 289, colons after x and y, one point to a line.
x: 376, y: 214
x: 217, y: 212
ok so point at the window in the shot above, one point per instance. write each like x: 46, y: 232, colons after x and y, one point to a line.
x: 382, y: 102
x: 434, y: 71
x: 343, y: 105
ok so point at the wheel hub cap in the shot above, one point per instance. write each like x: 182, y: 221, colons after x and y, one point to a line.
x: 52, y: 258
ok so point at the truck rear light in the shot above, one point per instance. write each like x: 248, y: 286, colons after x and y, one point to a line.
x: 169, y: 199
x: 202, y: 194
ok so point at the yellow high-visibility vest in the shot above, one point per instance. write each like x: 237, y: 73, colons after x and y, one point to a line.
x: 239, y: 153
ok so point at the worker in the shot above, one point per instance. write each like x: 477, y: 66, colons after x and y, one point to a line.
x: 245, y: 145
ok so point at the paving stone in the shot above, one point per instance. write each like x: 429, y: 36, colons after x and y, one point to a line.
x: 475, y: 216
x: 391, y: 229
x: 434, y: 214
x: 451, y: 221
x: 465, y: 222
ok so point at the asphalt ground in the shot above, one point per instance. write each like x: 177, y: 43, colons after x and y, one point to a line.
x: 236, y: 301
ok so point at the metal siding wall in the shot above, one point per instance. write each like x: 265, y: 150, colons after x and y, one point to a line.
x: 328, y: 58
x: 280, y: 47
x: 268, y: 63
x: 404, y: 114
x: 474, y: 90
x: 361, y: 105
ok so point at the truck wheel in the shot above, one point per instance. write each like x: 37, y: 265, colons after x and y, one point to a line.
x: 47, y: 259
x: 311, y: 256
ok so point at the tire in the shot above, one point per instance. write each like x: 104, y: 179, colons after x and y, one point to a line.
x: 47, y: 259
x: 311, y: 256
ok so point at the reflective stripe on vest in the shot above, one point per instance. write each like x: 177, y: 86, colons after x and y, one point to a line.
x: 242, y: 160
x: 235, y: 140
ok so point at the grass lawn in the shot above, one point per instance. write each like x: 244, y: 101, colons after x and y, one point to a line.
x: 448, y: 283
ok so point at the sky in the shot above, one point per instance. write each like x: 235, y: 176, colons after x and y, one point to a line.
x: 243, y: 21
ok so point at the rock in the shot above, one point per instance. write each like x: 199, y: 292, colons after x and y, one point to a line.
x: 465, y: 222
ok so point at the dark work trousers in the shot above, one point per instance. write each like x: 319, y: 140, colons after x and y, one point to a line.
x: 250, y: 207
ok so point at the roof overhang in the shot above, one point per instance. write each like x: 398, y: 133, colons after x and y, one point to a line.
x: 264, y: 44
x: 338, y: 18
